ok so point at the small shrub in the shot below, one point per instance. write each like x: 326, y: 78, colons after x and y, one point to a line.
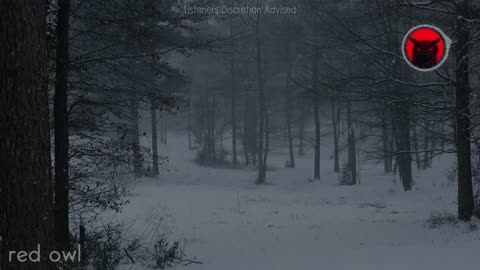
x: 166, y: 255
x: 104, y: 248
x: 438, y: 219
x: 107, y: 247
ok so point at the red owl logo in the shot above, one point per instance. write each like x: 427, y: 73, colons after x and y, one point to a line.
x: 425, y: 47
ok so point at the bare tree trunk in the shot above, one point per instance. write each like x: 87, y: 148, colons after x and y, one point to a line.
x: 352, y: 159
x: 267, y: 141
x: 234, y: 133
x: 301, y: 134
x: 135, y: 140
x: 212, y: 129
x: 246, y: 149
x: 416, y: 148
x: 60, y: 114
x: 335, y: 113
x: 433, y: 141
x: 25, y: 175
x: 155, y: 165
x: 251, y: 108
x: 392, y: 146
x: 233, y: 98
x: 189, y: 129
x: 404, y: 156
x: 462, y: 92
x: 288, y: 109
x: 261, y: 103
x: 290, y: 145
x: 387, y: 159
x: 442, y: 138
x: 162, y: 126
x: 426, y: 148
x: 165, y: 127
x: 316, y: 114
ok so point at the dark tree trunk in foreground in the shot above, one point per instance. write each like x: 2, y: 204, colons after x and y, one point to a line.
x: 60, y: 114
x: 25, y: 176
x: 155, y: 166
x: 462, y: 91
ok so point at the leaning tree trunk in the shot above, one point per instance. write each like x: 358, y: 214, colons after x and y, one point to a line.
x: 462, y: 97
x: 60, y: 114
x: 25, y: 174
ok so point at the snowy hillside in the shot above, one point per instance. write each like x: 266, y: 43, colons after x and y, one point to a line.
x: 227, y: 222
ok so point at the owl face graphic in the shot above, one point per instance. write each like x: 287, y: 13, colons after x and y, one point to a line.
x: 425, y: 47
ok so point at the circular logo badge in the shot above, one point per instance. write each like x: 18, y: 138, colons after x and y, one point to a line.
x: 425, y: 47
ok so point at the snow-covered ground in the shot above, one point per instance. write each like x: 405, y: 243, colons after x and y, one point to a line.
x: 229, y: 223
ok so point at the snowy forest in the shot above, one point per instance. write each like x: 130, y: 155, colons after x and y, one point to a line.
x: 237, y: 134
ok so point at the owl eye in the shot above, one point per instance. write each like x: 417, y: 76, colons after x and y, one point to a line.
x: 430, y: 49
x: 418, y: 49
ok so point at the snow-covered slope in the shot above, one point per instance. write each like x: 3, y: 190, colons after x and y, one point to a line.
x: 229, y: 223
